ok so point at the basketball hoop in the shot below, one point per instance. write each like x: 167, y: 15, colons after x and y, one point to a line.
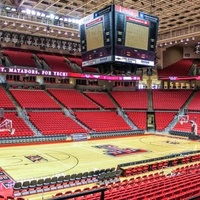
x: 183, y: 119
x: 5, y: 124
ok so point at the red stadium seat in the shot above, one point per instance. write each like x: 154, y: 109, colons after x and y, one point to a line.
x: 55, y: 62
x: 20, y: 58
x: 131, y: 100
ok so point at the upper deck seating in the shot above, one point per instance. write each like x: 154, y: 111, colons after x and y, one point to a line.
x: 76, y: 60
x: 55, y: 62
x: 20, y: 58
x: 180, y: 68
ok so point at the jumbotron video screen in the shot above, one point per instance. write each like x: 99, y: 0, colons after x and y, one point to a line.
x: 96, y: 37
x: 119, y: 35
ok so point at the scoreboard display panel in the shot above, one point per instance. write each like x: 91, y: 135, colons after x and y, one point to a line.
x: 135, y: 37
x: 94, y: 33
x: 119, y: 35
x: 96, y: 37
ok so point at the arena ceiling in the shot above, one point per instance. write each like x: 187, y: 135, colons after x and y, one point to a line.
x: 179, y: 19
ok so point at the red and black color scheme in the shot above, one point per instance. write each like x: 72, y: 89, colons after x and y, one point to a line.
x: 113, y: 150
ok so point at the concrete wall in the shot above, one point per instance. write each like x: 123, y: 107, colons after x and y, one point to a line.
x: 172, y: 55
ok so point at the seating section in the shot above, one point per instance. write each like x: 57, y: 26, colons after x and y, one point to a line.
x: 180, y: 68
x: 162, y: 119
x: 20, y: 58
x: 194, y: 103
x: 169, y: 99
x: 52, y: 123
x: 101, y: 98
x: 139, y: 119
x: 186, y: 127
x: 21, y: 128
x: 63, y: 182
x: 156, y: 187
x: 76, y: 60
x: 34, y: 99
x: 5, y: 101
x: 183, y: 183
x: 55, y: 62
x: 73, y: 99
x: 131, y: 99
x: 102, y: 121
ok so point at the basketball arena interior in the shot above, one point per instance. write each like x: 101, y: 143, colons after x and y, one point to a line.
x: 99, y: 100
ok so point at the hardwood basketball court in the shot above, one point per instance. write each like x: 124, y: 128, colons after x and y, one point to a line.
x: 28, y: 162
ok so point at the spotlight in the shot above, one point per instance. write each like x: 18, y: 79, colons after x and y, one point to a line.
x: 8, y: 8
x: 33, y: 12
x: 52, y: 16
x: 38, y: 14
x: 28, y: 11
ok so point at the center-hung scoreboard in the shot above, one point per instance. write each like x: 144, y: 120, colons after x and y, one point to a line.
x: 119, y: 35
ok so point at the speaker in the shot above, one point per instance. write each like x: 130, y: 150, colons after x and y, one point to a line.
x: 83, y: 38
x: 107, y: 22
x: 120, y: 22
x: 107, y: 29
